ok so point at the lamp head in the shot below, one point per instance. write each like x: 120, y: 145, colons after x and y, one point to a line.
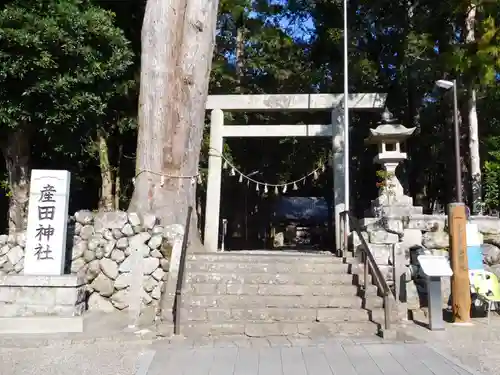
x: 444, y: 84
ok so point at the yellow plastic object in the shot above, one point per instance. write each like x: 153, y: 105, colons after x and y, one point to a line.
x: 485, y: 284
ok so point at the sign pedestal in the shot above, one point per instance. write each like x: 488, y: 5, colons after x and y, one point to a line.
x: 435, y: 267
x: 44, y: 300
x: 436, y: 322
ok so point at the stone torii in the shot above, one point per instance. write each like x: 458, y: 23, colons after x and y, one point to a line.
x: 286, y: 103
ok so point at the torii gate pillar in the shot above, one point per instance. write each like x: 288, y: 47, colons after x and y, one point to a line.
x: 214, y: 180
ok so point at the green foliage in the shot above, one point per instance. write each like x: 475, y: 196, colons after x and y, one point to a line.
x: 67, y: 71
x: 491, y: 184
x: 383, y: 183
x: 4, y: 188
x: 61, y: 62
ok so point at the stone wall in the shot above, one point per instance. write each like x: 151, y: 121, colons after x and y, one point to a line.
x: 396, y: 242
x: 102, y: 248
x: 12, y: 254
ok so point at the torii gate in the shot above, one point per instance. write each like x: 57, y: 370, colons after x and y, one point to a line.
x: 282, y: 102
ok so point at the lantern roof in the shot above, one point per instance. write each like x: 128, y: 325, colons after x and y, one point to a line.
x: 389, y: 129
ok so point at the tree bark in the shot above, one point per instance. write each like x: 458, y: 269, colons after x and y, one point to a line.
x: 106, y: 201
x: 118, y: 180
x: 475, y: 160
x: 239, y: 50
x: 16, y: 152
x: 176, y: 57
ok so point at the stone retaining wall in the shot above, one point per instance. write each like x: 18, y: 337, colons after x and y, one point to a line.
x: 101, y: 248
x: 62, y: 296
x: 421, y: 234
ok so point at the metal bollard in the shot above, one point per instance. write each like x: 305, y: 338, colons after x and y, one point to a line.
x: 224, y: 232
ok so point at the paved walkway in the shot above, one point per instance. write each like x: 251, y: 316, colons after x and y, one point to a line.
x: 109, y: 348
x: 327, y: 357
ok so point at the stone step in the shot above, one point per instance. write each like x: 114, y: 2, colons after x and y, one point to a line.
x: 273, y: 278
x: 264, y: 329
x: 273, y: 314
x: 266, y: 258
x: 274, y: 289
x: 269, y: 267
x: 256, y: 301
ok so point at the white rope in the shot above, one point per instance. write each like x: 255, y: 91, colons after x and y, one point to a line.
x: 193, y: 178
x: 234, y: 171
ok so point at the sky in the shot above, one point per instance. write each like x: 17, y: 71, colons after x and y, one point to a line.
x: 295, y: 29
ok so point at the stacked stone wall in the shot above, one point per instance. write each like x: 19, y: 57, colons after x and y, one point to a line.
x: 100, y: 249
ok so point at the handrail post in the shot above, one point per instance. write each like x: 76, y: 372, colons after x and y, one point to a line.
x: 371, y: 268
x: 180, y: 275
x: 342, y: 219
x: 345, y: 233
x: 365, y: 275
x: 387, y: 312
x: 224, y: 233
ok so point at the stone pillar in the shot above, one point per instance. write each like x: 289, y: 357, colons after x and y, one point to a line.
x: 136, y: 288
x: 212, y: 209
x: 393, y: 185
x: 338, y: 170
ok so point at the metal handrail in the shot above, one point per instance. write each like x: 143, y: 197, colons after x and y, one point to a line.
x: 370, y: 266
x: 180, y: 275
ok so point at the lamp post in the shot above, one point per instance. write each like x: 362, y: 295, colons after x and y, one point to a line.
x: 457, y: 221
x: 447, y: 85
x: 346, y: 114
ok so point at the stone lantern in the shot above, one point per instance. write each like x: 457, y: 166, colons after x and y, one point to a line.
x: 388, y: 136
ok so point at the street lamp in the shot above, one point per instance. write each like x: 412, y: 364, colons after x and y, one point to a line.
x: 346, y: 128
x: 457, y: 224
x: 447, y: 85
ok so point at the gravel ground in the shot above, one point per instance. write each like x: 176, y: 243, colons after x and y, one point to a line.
x: 476, y: 346
x: 95, y: 359
x: 106, y: 347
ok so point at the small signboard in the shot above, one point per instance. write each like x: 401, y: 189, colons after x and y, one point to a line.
x: 435, y: 265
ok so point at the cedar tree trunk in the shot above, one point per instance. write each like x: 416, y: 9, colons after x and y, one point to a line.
x: 16, y: 151
x: 177, y: 46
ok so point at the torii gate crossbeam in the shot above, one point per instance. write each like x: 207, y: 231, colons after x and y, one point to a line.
x: 278, y: 102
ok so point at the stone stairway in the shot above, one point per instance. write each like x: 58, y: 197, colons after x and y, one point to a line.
x: 265, y: 294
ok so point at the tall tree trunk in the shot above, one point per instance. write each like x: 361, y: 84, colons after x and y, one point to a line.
x: 475, y: 161
x: 16, y: 152
x: 240, y: 48
x: 177, y: 46
x: 106, y: 201
x: 118, y: 182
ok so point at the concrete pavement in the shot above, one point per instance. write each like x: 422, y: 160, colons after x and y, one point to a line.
x: 236, y: 356
x: 327, y: 357
x: 109, y: 347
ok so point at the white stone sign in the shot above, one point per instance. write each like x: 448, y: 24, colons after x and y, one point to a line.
x: 47, y: 222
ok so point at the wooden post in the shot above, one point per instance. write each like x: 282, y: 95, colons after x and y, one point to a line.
x: 460, y: 286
